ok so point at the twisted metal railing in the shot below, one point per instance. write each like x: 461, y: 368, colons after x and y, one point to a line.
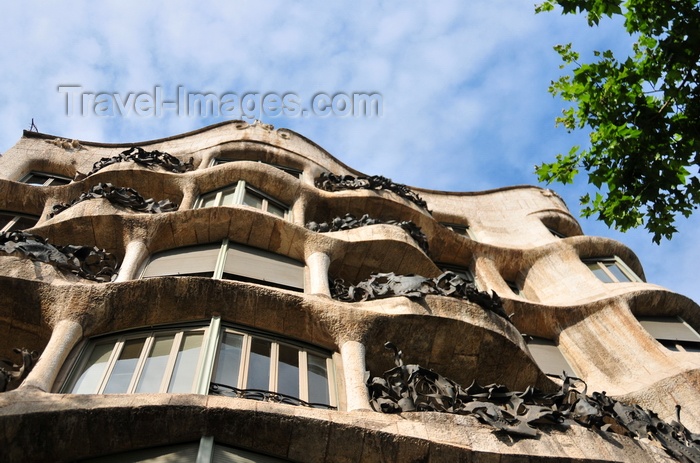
x: 143, y: 158
x: 348, y: 222
x: 263, y: 396
x: 87, y: 262
x: 122, y: 196
x: 412, y: 388
x: 383, y: 285
x: 331, y: 182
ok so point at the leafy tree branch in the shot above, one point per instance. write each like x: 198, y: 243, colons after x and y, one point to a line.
x: 643, y: 113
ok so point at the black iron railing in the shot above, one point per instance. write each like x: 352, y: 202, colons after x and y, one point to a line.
x: 263, y: 396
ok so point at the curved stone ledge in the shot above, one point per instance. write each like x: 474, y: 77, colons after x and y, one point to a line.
x: 25, y: 198
x: 602, y: 339
x: 559, y: 221
x: 487, y: 348
x: 363, y: 250
x: 118, y: 423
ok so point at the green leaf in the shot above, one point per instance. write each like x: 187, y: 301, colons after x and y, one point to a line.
x: 641, y: 113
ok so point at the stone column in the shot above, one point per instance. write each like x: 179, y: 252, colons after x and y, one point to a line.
x: 353, y: 354
x: 136, y: 252
x: 318, y: 264
x: 64, y: 337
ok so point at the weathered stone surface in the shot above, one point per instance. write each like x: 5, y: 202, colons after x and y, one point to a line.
x: 593, y: 323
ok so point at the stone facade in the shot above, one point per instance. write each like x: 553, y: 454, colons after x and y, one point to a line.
x: 519, y: 242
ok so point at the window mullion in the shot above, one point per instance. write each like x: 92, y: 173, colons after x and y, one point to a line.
x: 303, y: 376
x: 11, y: 223
x: 607, y: 272
x: 174, y: 349
x: 221, y: 260
x: 145, y: 351
x: 205, y: 454
x: 209, y: 348
x: 274, y: 366
x: 245, y: 362
x: 116, y: 352
x: 627, y: 271
x: 240, y: 193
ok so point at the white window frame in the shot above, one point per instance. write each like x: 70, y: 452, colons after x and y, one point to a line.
x: 273, y: 374
x: 294, y: 172
x: 220, y: 265
x: 149, y: 336
x: 213, y: 334
x: 16, y: 217
x: 50, y: 178
x: 599, y: 263
x: 238, y: 190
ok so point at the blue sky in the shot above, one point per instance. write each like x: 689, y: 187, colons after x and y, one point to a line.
x: 464, y: 85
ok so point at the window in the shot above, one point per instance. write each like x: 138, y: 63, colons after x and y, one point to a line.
x: 229, y: 261
x: 215, y: 359
x: 153, y: 361
x: 611, y: 270
x: 514, y: 287
x: 10, y: 221
x: 548, y: 356
x: 556, y: 233
x: 204, y: 451
x: 45, y: 179
x: 463, y: 230
x: 297, y: 173
x: 463, y: 272
x: 243, y: 194
x: 673, y: 332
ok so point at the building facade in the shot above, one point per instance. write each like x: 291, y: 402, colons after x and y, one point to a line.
x: 201, y: 297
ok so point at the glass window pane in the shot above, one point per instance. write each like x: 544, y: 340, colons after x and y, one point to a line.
x: 274, y: 209
x: 124, y: 368
x: 229, y: 197
x: 5, y: 219
x: 23, y: 223
x: 259, y: 365
x: 600, y: 273
x: 154, y: 368
x: 288, y: 371
x: 58, y: 181
x: 91, y: 377
x: 318, y: 379
x: 290, y: 170
x: 36, y: 179
x: 186, y: 363
x: 617, y: 272
x: 228, y: 362
x: 208, y: 200
x: 252, y: 200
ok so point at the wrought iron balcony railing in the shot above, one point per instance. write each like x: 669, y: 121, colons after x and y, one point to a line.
x: 263, y: 396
